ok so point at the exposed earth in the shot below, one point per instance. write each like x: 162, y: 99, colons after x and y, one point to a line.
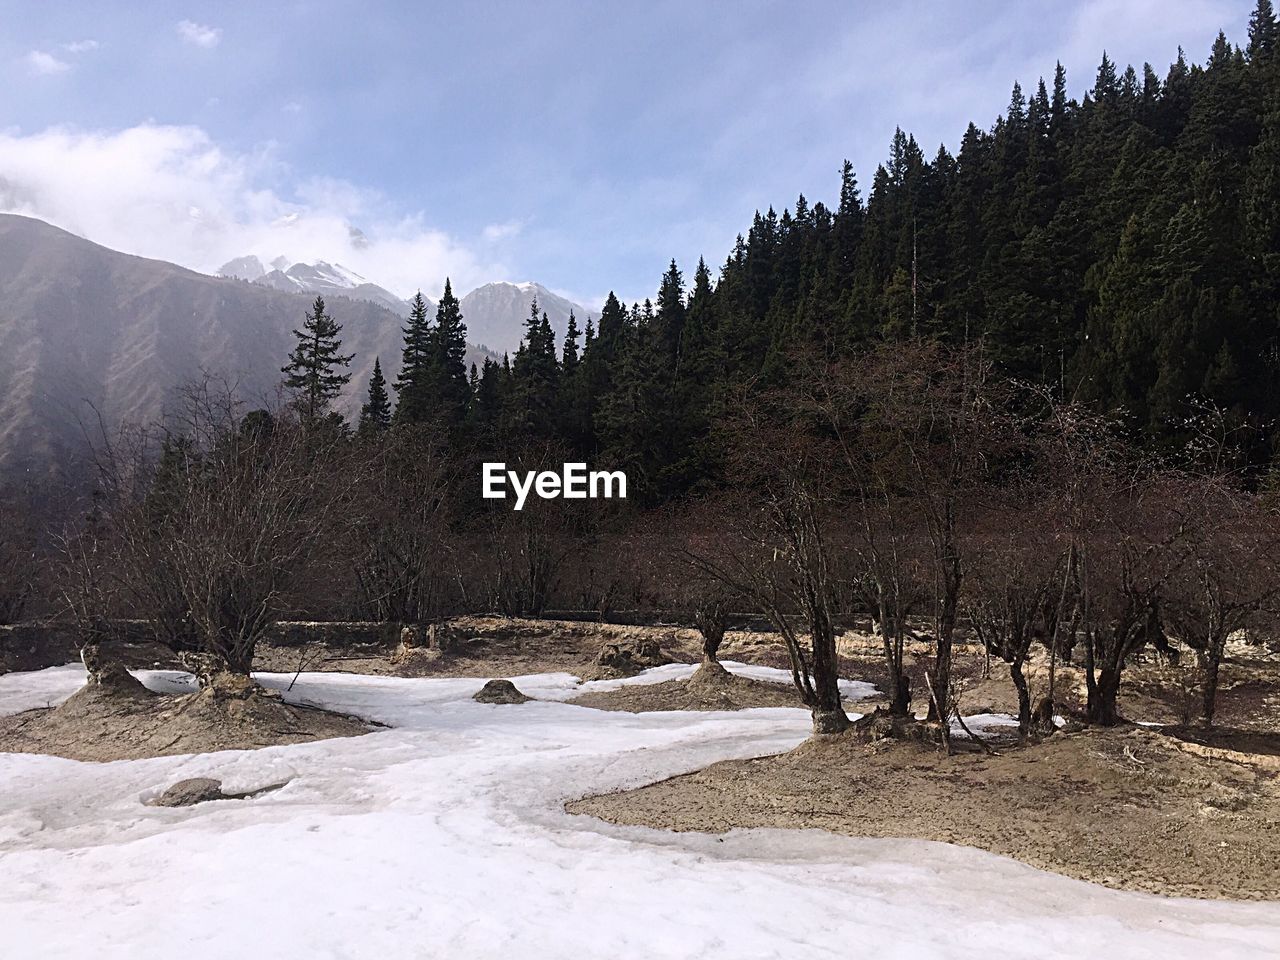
x: 1182, y: 811
x: 1130, y: 808
x: 131, y: 722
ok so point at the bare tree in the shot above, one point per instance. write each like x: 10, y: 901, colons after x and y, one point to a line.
x: 1012, y: 576
x: 404, y: 537
x: 1226, y: 572
x: 919, y: 429
x: 772, y: 550
x: 247, y: 501
x: 86, y: 565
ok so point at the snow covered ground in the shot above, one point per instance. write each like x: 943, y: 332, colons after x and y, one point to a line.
x: 445, y: 836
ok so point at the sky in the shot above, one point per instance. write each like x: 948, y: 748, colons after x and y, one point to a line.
x: 582, y: 145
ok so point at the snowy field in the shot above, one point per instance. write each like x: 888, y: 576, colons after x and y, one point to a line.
x: 445, y: 836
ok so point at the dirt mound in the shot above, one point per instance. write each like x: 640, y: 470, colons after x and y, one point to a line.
x: 128, y: 722
x: 1127, y: 807
x: 626, y: 659
x: 500, y: 691
x: 712, y: 687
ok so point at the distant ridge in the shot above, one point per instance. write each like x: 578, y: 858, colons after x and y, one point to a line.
x: 85, y: 330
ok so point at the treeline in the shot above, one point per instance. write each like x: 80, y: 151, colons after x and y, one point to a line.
x: 1124, y: 249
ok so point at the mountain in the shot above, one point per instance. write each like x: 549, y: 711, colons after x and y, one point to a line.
x: 326, y: 279
x: 496, y: 312
x: 87, y: 332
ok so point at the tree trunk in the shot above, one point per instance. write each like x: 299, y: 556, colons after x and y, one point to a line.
x: 1212, y: 662
x: 830, y: 721
x: 711, y: 622
x: 940, y: 706
x: 828, y: 711
x: 1103, y: 695
x: 900, y: 701
x: 899, y: 686
x: 1024, y: 699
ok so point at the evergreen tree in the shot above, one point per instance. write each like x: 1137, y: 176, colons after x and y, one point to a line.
x: 314, y: 364
x: 375, y: 415
x: 413, y: 383
x: 569, y: 355
x: 1263, y: 32
x: 670, y: 313
x: 447, y: 389
x: 534, y: 378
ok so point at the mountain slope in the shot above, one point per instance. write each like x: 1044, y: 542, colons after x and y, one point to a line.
x: 326, y: 279
x: 86, y: 331
x: 496, y: 312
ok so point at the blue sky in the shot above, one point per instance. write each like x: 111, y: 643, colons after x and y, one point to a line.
x: 578, y: 144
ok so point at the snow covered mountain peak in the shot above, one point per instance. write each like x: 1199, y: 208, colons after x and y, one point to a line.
x: 320, y: 278
x: 494, y: 313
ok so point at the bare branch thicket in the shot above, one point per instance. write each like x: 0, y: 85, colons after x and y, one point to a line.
x: 405, y: 532
x: 1013, y: 576
x: 1084, y: 465
x: 236, y: 509
x: 521, y: 555
x: 614, y: 562
x: 1226, y: 574
x: 86, y: 561
x: 919, y: 431
x: 772, y: 543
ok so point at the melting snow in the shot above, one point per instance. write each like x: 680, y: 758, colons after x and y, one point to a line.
x: 445, y: 836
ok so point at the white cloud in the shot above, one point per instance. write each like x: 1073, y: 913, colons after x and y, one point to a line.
x: 496, y: 232
x: 80, y: 46
x: 173, y: 194
x: 45, y: 64
x: 199, y: 34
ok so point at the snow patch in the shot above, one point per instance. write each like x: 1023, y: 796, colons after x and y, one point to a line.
x: 445, y: 836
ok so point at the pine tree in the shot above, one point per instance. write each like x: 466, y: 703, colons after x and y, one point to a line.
x: 447, y: 389
x: 375, y: 415
x: 569, y: 354
x: 485, y: 411
x: 1263, y: 31
x: 670, y: 314
x: 575, y: 390
x: 413, y: 383
x: 534, y: 375
x: 313, y: 365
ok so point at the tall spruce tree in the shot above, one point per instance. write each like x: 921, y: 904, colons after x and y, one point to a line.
x: 447, y: 388
x: 1263, y: 31
x: 413, y: 383
x: 535, y: 372
x: 375, y: 415
x: 314, y: 365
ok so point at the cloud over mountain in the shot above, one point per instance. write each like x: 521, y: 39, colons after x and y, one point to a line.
x: 172, y: 193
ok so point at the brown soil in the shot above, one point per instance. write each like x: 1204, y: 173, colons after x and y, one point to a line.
x: 1129, y: 807
x: 500, y: 691
x: 128, y: 722
x: 488, y: 647
x: 491, y: 646
x: 707, y: 689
